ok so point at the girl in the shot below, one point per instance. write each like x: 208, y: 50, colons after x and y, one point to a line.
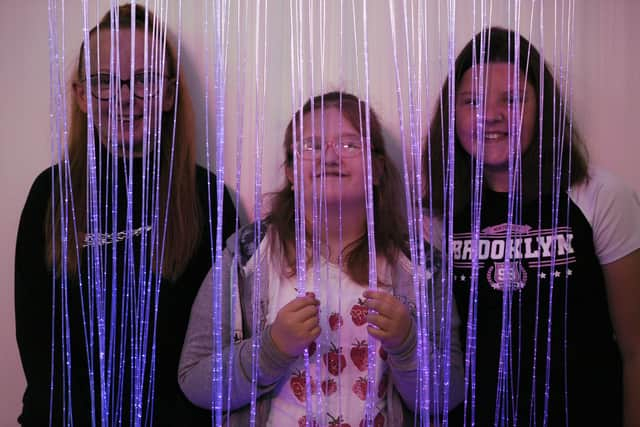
x: 551, y: 329
x: 336, y: 316
x: 100, y: 328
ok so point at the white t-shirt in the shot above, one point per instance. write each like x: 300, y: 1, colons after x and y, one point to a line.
x: 338, y: 360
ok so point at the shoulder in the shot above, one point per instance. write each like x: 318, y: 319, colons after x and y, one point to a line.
x: 603, y: 195
x: 247, y: 242
x: 600, y: 186
x: 32, y: 217
x: 612, y: 209
x: 43, y: 182
x: 40, y: 192
x: 203, y: 175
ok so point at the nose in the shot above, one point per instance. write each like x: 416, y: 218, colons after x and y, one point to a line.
x: 331, y: 151
x: 125, y: 90
x: 495, y: 114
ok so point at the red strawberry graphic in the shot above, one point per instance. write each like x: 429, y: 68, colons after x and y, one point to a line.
x: 337, y: 421
x: 360, y: 388
x: 359, y: 355
x: 329, y: 387
x: 298, y: 384
x: 378, y: 421
x: 359, y: 313
x: 383, y: 353
x: 335, y: 321
x: 312, y: 348
x: 335, y: 360
x: 382, y: 386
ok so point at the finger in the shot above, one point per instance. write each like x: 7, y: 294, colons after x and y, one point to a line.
x: 310, y: 324
x: 376, y: 333
x: 391, y: 309
x: 382, y: 296
x: 374, y: 294
x: 380, y: 322
x: 300, y: 302
x: 378, y: 305
x: 304, y: 313
x: 315, y: 333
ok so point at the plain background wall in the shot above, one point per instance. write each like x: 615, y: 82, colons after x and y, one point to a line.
x: 605, y: 75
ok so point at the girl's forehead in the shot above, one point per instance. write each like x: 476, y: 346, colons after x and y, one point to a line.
x: 497, y: 75
x: 331, y: 117
x: 102, y: 42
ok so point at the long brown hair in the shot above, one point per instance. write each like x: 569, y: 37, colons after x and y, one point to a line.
x: 387, y: 206
x: 184, y: 213
x: 499, y: 47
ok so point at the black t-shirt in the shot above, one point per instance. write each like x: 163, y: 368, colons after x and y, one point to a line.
x: 551, y: 332
x: 71, y: 315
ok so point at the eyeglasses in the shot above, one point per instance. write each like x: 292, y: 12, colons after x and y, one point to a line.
x: 101, y: 89
x: 347, y: 146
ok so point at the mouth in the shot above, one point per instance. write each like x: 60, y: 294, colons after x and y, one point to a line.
x: 126, y: 118
x: 332, y: 174
x: 495, y: 136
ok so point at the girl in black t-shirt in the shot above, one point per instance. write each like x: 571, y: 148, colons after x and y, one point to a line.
x: 544, y: 250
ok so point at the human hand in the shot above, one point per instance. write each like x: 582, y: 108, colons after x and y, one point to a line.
x: 296, y: 325
x: 389, y: 319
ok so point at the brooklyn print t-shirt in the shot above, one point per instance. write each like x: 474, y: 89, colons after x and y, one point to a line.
x: 338, y: 365
x: 545, y: 345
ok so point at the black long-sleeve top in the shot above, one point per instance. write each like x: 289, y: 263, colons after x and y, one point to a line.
x: 39, y: 301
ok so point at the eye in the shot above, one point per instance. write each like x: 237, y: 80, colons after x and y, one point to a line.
x: 310, y: 144
x: 471, y: 101
x: 101, y: 79
x: 139, y: 78
x: 351, y: 144
x: 514, y: 98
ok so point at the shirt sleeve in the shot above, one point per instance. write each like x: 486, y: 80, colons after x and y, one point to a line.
x: 196, y: 362
x: 33, y: 303
x: 613, y: 210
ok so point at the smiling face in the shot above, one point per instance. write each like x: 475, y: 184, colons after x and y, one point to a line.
x: 116, y: 104
x: 343, y: 167
x: 501, y: 97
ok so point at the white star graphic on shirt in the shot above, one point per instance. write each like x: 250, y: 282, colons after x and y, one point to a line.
x: 542, y: 275
x: 569, y: 272
x: 556, y: 273
x: 463, y: 277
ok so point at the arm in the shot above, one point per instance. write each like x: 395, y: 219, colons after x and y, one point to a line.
x: 623, y: 292
x: 432, y: 228
x: 33, y: 305
x: 195, y: 370
x: 444, y: 360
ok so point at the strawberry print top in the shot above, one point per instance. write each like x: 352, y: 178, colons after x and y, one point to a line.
x: 337, y: 359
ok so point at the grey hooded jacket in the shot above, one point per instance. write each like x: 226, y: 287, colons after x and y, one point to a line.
x: 242, y: 270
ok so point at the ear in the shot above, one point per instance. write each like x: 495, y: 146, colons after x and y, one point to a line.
x: 80, y: 94
x: 169, y: 96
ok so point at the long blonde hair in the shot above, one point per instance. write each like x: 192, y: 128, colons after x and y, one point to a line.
x: 185, y: 217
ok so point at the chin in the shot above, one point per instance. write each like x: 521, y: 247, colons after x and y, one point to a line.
x: 123, y: 148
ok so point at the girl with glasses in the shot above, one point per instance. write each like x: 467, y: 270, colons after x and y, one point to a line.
x: 114, y: 241
x: 332, y: 314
